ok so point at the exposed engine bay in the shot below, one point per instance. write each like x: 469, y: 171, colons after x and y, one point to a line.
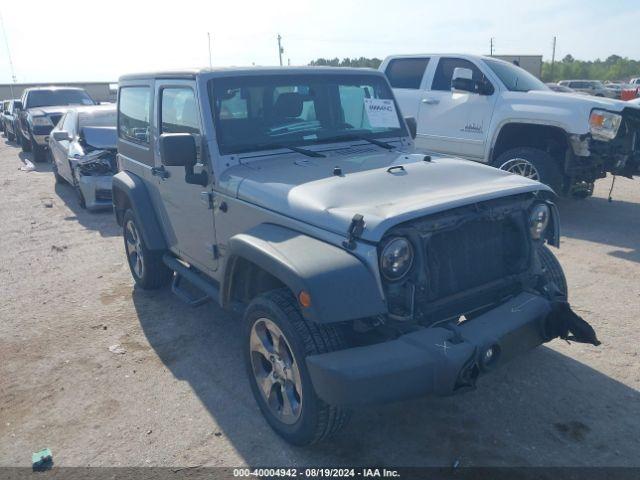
x: 97, y: 162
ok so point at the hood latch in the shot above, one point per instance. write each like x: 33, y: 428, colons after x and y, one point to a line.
x: 355, y: 230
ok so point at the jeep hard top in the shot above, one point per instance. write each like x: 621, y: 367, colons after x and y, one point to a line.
x: 364, y: 270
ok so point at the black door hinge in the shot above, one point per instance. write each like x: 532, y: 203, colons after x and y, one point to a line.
x: 355, y: 230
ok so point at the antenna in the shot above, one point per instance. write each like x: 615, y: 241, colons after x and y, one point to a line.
x: 209, y: 42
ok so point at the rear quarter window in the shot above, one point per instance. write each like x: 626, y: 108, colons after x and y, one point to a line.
x: 134, y: 113
x: 406, y: 72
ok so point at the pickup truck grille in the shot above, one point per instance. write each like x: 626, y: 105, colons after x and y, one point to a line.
x: 473, y: 254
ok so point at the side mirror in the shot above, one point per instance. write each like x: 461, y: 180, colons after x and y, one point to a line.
x: 179, y: 150
x: 61, y: 136
x: 412, y: 125
x: 462, y: 81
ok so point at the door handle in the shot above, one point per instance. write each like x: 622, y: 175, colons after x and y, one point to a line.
x: 160, y: 172
x: 430, y: 101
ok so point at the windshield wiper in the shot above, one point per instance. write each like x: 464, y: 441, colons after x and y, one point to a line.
x: 373, y: 141
x: 304, y: 151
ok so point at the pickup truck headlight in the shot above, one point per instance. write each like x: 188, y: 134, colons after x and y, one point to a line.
x: 538, y: 220
x: 396, y: 258
x: 41, y: 121
x: 604, y: 125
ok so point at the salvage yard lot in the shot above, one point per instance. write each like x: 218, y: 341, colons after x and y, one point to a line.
x: 179, y: 395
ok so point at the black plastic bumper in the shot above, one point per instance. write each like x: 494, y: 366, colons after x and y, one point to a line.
x: 437, y: 360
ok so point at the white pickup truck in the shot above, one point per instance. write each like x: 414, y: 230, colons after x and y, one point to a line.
x: 492, y: 111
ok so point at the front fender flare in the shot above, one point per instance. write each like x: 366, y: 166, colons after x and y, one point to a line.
x: 340, y: 284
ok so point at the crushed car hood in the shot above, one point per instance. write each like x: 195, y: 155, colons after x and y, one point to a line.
x: 100, y: 137
x: 308, y: 190
x: 58, y: 110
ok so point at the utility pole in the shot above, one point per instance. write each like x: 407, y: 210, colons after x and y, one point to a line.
x: 209, y: 39
x: 6, y: 42
x: 553, y: 56
x: 491, y: 48
x: 280, y: 49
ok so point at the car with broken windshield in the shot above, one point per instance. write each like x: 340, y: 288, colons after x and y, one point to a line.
x: 82, y: 147
x: 364, y: 271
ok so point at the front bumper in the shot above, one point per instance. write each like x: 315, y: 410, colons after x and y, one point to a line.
x: 439, y: 360
x: 96, y: 190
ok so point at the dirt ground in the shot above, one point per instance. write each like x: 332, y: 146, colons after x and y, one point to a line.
x: 179, y: 395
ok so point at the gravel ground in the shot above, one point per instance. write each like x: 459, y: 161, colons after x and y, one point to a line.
x: 179, y: 395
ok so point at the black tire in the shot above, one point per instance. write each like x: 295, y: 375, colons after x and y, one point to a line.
x: 547, y: 169
x: 154, y: 273
x: 553, y: 269
x: 10, y: 136
x: 25, y: 144
x: 317, y: 420
x: 39, y: 153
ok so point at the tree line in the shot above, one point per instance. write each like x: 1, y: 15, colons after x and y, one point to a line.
x: 614, y: 67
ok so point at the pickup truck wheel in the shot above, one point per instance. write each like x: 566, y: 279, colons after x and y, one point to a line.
x: 147, y: 268
x: 277, y: 341
x: 553, y: 269
x: 531, y: 163
x: 25, y: 144
x: 10, y: 136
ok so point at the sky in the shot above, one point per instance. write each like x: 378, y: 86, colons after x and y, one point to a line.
x: 70, y: 40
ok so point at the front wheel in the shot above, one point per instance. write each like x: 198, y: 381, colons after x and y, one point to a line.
x: 147, y: 268
x: 277, y: 340
x: 553, y: 269
x: 531, y: 163
x: 25, y: 144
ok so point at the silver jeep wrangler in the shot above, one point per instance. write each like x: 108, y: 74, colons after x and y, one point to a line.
x: 365, y: 271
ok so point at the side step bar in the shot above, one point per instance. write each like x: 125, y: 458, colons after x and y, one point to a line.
x: 182, y: 272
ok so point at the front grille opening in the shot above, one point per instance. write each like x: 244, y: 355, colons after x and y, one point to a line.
x: 474, y: 254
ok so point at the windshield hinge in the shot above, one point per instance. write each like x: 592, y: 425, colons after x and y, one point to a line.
x: 355, y: 230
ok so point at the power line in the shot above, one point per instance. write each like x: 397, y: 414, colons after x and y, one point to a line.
x: 6, y: 42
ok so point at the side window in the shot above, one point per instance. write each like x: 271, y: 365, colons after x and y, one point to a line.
x: 68, y: 123
x: 179, y: 111
x: 406, y: 72
x: 444, y: 72
x: 134, y: 106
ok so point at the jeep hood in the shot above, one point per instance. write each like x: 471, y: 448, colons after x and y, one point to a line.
x: 308, y: 190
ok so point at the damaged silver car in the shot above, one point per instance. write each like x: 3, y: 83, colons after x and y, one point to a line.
x: 83, y: 153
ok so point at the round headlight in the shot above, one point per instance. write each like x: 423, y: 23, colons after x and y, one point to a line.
x: 396, y: 258
x: 538, y: 220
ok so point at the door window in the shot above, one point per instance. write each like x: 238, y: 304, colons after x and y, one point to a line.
x: 406, y: 72
x: 444, y: 72
x: 179, y: 112
x: 134, y: 106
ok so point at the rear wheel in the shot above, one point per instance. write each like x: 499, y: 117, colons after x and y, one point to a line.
x: 147, y: 268
x: 277, y: 341
x: 10, y: 136
x: 531, y: 163
x: 553, y: 269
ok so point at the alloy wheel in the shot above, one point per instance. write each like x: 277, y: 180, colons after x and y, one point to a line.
x: 133, y: 245
x: 522, y: 167
x: 276, y: 371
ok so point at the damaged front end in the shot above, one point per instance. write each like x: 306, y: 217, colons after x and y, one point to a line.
x: 93, y: 173
x: 477, y: 292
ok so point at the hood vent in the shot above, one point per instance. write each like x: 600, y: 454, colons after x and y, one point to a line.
x: 354, y: 150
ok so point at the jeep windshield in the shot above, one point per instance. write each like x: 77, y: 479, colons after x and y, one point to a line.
x: 266, y: 112
x: 515, y: 78
x: 51, y: 98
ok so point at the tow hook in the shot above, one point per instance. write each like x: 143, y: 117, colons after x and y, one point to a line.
x: 565, y: 323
